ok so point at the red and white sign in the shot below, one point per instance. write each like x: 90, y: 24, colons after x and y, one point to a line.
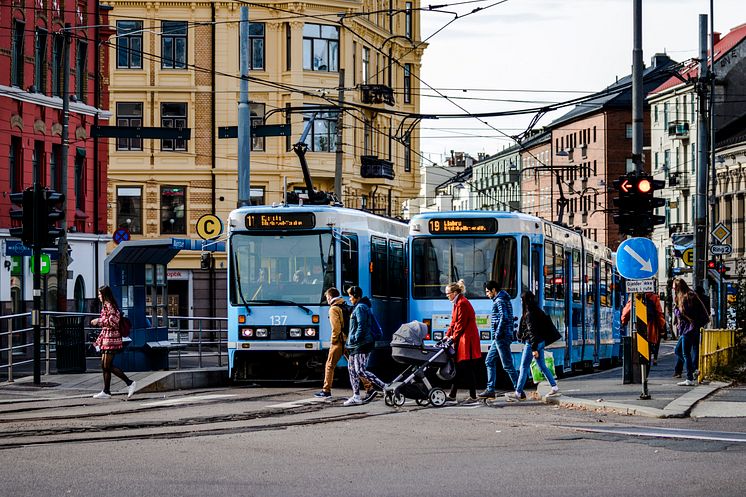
x: 177, y: 274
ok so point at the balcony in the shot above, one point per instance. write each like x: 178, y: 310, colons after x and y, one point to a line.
x: 374, y: 168
x: 679, y: 180
x: 678, y: 130
x: 377, y: 94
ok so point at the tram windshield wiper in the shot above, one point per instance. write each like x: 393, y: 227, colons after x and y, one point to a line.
x: 238, y: 283
x: 281, y: 302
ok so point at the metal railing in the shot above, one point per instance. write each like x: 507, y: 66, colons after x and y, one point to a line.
x: 192, y: 346
x: 716, y: 349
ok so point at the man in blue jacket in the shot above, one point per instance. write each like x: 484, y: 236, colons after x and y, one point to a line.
x: 502, y: 337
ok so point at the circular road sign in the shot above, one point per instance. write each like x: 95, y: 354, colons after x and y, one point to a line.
x: 688, y: 257
x: 121, y: 235
x: 209, y: 226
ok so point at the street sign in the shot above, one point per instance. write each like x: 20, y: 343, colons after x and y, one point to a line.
x: 724, y: 249
x: 640, y: 286
x: 45, y: 263
x: 121, y: 235
x: 720, y: 232
x: 637, y: 259
x: 209, y: 226
x: 688, y: 257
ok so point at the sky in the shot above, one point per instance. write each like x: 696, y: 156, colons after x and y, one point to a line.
x: 518, y: 54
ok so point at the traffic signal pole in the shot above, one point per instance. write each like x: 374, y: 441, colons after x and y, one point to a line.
x: 700, y: 196
x: 39, y: 225
x: 637, y: 90
x: 62, y: 259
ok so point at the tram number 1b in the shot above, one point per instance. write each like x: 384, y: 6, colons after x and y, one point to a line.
x: 278, y: 320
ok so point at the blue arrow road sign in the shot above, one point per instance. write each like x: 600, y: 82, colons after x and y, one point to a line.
x: 637, y: 259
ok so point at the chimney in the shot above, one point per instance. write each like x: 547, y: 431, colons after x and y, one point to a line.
x: 660, y: 60
x: 716, y: 38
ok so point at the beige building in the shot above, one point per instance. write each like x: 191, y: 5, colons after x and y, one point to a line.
x: 176, y: 64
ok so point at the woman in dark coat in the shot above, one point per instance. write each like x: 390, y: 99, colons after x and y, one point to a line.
x: 534, y: 333
x: 465, y: 335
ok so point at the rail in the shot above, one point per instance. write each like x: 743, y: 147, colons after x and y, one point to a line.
x: 198, y: 342
x: 716, y: 349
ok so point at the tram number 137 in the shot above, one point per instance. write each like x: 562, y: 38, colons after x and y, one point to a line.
x: 278, y: 320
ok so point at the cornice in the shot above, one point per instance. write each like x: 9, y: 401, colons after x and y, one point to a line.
x: 52, y: 102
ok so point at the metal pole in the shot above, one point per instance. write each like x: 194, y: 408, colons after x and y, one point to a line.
x: 700, y: 218
x: 637, y: 90
x: 645, y: 395
x: 718, y: 315
x: 244, y: 115
x: 62, y: 260
x: 340, y: 123
x: 36, y: 309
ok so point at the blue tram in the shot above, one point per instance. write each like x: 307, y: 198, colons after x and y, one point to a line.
x: 281, y: 260
x: 573, y: 278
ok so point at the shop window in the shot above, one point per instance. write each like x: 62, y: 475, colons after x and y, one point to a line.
x: 129, y: 209
x: 173, y: 207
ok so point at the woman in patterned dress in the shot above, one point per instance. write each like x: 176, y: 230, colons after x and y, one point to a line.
x: 109, y: 342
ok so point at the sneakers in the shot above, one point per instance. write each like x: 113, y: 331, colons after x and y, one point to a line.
x: 470, y: 401
x: 355, y: 400
x: 487, y: 394
x: 515, y: 396
x: 102, y: 395
x: 451, y: 399
x: 131, y: 389
x: 370, y: 395
x: 554, y: 392
x: 687, y: 383
x: 322, y: 395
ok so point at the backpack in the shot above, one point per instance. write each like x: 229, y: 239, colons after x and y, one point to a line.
x: 125, y: 326
x: 346, y: 312
x: 375, y: 328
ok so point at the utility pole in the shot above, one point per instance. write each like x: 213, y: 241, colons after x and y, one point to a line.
x: 700, y: 218
x: 340, y: 122
x: 719, y: 306
x: 637, y: 90
x: 62, y: 260
x: 244, y: 115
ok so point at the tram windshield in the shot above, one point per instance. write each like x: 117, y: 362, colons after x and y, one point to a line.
x: 439, y: 261
x: 296, y: 269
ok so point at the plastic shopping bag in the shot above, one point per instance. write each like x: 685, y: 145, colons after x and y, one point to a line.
x: 536, y: 373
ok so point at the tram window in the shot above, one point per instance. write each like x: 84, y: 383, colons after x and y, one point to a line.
x: 379, y: 267
x: 525, y: 263
x: 397, y: 275
x: 536, y: 269
x: 590, y: 280
x: 605, y: 285
x: 559, y: 272
x: 576, y: 275
x: 349, y: 261
x: 549, y: 270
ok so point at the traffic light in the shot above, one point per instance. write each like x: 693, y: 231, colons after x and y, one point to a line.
x: 636, y: 204
x: 25, y: 214
x: 712, y: 264
x: 205, y: 260
x: 53, y: 211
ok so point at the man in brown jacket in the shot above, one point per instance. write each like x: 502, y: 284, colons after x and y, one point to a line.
x: 340, y: 323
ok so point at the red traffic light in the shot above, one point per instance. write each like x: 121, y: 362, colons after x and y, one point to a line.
x: 711, y: 265
x: 644, y: 185
x: 722, y: 269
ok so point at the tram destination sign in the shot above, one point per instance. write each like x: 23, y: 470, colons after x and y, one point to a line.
x: 446, y: 225
x: 280, y: 221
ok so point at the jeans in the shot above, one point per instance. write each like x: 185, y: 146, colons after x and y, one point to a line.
x: 690, y: 345
x: 679, y: 353
x: 526, y: 358
x: 500, y: 347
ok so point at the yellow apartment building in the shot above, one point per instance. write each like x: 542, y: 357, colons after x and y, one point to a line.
x: 176, y: 64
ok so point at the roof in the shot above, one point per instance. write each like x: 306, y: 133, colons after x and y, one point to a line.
x: 691, y: 69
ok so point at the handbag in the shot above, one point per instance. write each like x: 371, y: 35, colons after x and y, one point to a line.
x: 536, y: 374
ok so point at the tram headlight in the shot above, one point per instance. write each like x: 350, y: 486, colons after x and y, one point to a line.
x: 310, y: 332
x: 261, y: 332
x: 295, y: 332
x: 247, y: 332
x: 437, y: 335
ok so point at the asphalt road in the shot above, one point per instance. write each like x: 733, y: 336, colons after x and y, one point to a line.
x: 279, y: 441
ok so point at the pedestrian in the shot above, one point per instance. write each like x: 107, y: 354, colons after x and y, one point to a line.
x: 656, y: 322
x: 109, y: 342
x: 535, y: 331
x: 465, y: 335
x: 691, y: 315
x: 502, y: 337
x: 339, y: 319
x: 360, y: 343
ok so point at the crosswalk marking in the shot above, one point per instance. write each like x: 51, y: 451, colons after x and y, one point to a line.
x: 185, y: 400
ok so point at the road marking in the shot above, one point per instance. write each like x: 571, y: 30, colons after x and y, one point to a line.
x: 722, y: 436
x: 297, y: 403
x: 186, y: 400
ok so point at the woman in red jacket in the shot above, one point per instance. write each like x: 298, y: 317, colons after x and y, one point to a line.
x: 463, y: 330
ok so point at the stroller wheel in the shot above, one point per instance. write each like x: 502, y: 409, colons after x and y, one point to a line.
x: 388, y: 400
x: 422, y: 402
x: 399, y: 399
x: 437, y: 397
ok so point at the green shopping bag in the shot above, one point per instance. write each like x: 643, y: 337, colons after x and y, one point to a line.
x: 536, y: 373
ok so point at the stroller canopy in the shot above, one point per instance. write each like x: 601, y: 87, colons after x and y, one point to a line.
x: 412, y: 333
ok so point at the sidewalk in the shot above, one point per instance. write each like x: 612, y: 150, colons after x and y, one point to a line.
x: 605, y: 391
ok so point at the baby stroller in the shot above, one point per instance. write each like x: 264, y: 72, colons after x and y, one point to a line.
x: 412, y: 383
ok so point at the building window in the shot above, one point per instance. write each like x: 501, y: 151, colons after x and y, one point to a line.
x: 16, y: 72
x: 628, y: 131
x: 81, y: 74
x: 257, y: 119
x: 38, y: 164
x: 173, y: 44
x: 366, y: 65
x: 665, y: 115
x: 15, y: 163
x: 54, y: 167
x: 367, y: 137
x: 129, y: 44
x: 320, y: 47
x: 173, y: 115
x: 173, y: 206
x: 80, y: 180
x: 407, y: 83
x: 408, y: 20
x: 58, y: 46
x: 407, y: 153
x: 256, y: 45
x: 288, y: 47
x: 323, y: 132
x: 354, y: 63
x: 129, y: 114
x: 129, y: 208
x: 40, y: 60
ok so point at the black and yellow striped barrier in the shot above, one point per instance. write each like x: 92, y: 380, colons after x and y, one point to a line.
x: 716, y: 348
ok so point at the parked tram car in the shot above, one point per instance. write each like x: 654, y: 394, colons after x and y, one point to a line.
x: 572, y: 276
x: 281, y: 261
